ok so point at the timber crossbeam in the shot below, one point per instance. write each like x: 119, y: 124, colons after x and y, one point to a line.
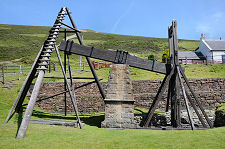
x: 115, y: 56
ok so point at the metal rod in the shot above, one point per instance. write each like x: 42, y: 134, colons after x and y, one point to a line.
x: 24, y: 125
x: 72, y: 78
x: 68, y: 86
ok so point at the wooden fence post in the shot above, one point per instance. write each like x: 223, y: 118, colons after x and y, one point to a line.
x: 83, y: 66
x: 3, y: 75
x: 53, y: 66
x: 23, y: 70
x: 49, y: 70
x: 19, y: 71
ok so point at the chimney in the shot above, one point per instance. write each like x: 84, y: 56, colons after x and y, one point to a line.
x: 202, y: 36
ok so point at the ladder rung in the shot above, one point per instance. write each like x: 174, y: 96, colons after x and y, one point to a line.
x: 54, y: 33
x: 60, y: 19
x: 57, y: 24
x: 42, y: 68
x: 56, y: 27
x: 51, y: 40
x: 50, y: 37
x: 61, y: 13
x: 48, y: 51
x: 54, y: 30
x: 49, y: 47
x: 45, y: 55
x: 49, y: 44
x: 44, y: 60
x: 43, y: 64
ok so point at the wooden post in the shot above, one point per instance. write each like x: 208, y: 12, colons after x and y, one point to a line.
x: 73, y: 98
x: 3, y: 75
x: 53, y: 66
x: 83, y: 66
x: 15, y: 70
x: 49, y: 68
x: 23, y: 69
x: 80, y: 62
x: 24, y: 124
x: 19, y: 71
x: 65, y: 73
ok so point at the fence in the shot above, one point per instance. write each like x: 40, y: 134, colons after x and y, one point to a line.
x: 16, y: 72
x: 201, y: 60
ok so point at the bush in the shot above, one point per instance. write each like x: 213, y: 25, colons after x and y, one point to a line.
x: 151, y: 57
x: 165, y: 56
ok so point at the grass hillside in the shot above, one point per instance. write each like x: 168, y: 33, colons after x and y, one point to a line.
x: 18, y: 41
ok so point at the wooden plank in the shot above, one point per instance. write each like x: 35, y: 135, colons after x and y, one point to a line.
x: 27, y: 115
x: 24, y: 89
x: 114, y: 56
x: 72, y: 96
x: 196, y: 110
x: 55, y: 122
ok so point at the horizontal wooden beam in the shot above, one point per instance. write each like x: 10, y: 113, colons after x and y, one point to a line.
x: 114, y: 56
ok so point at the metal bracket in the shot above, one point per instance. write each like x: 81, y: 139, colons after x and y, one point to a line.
x: 121, y: 57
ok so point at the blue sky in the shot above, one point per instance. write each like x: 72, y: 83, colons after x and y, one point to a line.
x: 130, y: 17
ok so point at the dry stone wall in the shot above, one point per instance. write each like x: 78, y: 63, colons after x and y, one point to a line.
x: 210, y: 92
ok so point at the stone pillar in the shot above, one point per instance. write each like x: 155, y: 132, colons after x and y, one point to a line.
x: 119, y: 102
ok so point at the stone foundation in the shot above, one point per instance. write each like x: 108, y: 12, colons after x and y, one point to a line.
x: 119, y: 102
x: 210, y: 92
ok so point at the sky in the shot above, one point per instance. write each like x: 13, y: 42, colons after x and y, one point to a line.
x: 149, y: 18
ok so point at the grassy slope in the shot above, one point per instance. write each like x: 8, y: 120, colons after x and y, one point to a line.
x: 44, y: 136
x: 18, y: 41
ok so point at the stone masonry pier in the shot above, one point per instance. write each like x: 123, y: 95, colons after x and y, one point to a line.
x: 119, y: 102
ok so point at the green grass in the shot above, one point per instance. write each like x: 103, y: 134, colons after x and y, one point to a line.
x: 191, y: 71
x: 91, y: 136
x: 18, y: 41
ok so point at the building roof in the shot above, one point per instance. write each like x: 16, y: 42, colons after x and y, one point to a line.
x: 216, y: 44
x: 188, y: 55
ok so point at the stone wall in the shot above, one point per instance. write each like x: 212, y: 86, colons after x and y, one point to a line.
x: 210, y: 92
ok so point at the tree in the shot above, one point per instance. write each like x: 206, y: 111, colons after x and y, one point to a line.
x: 165, y: 56
x: 151, y: 57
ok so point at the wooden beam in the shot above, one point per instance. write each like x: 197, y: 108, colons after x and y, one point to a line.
x: 121, y: 57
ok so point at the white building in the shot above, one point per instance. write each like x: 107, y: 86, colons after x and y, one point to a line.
x: 212, y: 50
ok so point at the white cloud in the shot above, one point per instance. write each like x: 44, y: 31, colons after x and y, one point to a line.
x: 212, y: 25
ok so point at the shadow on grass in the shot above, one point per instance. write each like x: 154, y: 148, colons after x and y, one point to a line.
x: 93, y: 120
x: 19, y: 120
x: 88, y: 119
